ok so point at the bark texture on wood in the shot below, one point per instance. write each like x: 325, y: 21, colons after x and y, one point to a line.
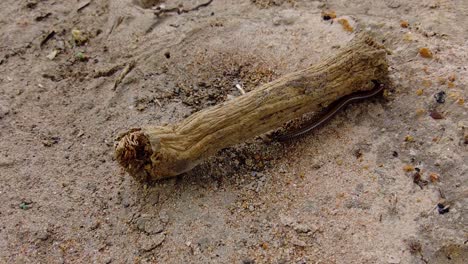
x: 163, y: 151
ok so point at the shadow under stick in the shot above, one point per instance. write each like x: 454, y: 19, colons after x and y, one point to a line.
x: 158, y: 152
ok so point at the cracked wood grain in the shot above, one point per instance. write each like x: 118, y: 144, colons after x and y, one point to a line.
x: 157, y: 152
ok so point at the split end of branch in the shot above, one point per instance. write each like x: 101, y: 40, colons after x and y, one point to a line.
x: 133, y: 152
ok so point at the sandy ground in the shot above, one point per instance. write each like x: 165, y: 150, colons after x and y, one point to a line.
x: 347, y: 193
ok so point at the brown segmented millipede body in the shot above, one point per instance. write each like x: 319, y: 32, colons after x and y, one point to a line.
x: 334, y: 108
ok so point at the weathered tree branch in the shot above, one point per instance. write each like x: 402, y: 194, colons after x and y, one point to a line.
x: 163, y: 151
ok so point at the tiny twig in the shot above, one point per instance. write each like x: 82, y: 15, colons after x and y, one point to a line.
x: 180, y: 9
x: 83, y: 6
x: 239, y: 87
x: 108, y: 72
x: 124, y: 73
x: 48, y: 37
x: 158, y: 102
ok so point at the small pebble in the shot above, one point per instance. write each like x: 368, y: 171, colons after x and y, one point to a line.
x: 3, y: 111
x: 434, y: 177
x: 302, y: 228
x: 329, y: 14
x: 299, y: 243
x: 148, y: 243
x: 24, y: 205
x: 436, y: 115
x: 404, y: 24
x: 42, y: 234
x: 443, y: 209
x: 52, y: 55
x: 417, y: 179
x: 79, y: 37
x: 393, y: 3
x: 440, y: 97
x: 425, y: 53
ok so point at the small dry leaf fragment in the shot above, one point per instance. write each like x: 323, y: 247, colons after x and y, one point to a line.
x: 426, y: 70
x: 419, y: 92
x: 409, y: 138
x: 457, y: 97
x: 452, y: 77
x: 141, y: 107
x: 52, y: 55
x: 433, y: 177
x: 358, y: 153
x: 454, y: 95
x: 425, y: 53
x: 426, y: 83
x: 408, y: 37
x: 417, y: 179
x: 328, y: 14
x: 408, y: 168
x: 386, y: 93
x: 436, y: 115
x: 441, y: 80
x: 302, y: 175
x: 81, y: 56
x: 420, y: 112
x: 450, y: 84
x: 79, y: 37
x: 404, y: 23
x: 345, y: 23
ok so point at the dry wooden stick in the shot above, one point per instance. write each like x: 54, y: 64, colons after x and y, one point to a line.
x: 164, y: 151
